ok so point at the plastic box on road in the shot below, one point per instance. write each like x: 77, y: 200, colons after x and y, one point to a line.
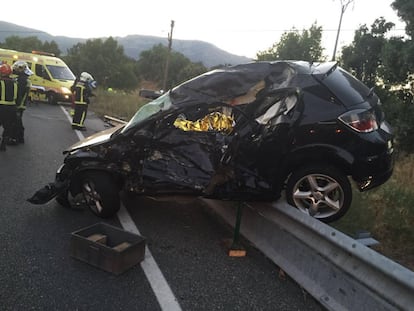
x: 107, y: 247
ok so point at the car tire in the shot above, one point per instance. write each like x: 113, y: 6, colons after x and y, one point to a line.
x: 320, y: 191
x: 51, y: 98
x: 101, y: 194
x: 76, y: 202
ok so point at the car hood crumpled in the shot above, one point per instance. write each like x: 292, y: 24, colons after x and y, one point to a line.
x: 95, y: 139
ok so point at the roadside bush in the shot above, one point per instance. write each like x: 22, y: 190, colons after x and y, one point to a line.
x: 387, y: 213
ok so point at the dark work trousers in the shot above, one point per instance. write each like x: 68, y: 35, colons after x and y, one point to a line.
x: 19, y: 128
x: 7, y: 120
x: 79, y: 115
x: 23, y: 89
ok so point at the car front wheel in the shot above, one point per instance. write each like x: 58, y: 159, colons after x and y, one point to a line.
x: 322, y: 192
x: 101, y: 194
x: 51, y: 98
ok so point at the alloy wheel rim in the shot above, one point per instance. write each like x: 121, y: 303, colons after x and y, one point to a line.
x: 318, y: 195
x: 93, y: 199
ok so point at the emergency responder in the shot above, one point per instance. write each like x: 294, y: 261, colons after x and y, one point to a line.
x: 23, y: 73
x: 82, y: 91
x: 8, y: 95
x: 72, y: 98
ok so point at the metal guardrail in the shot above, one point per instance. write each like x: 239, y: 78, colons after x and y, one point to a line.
x: 112, y: 120
x: 338, y: 271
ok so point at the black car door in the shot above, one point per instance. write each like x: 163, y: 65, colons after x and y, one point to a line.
x: 277, y: 115
x: 221, y: 151
x: 186, y: 150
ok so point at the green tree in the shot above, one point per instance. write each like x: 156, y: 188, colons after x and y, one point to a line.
x: 295, y: 45
x: 363, y: 56
x: 151, y: 65
x: 394, y: 57
x: 106, y: 61
x: 383, y: 62
x: 29, y: 44
x: 405, y: 10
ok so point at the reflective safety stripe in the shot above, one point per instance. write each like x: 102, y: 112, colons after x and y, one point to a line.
x: 5, y: 97
x: 23, y: 102
x: 83, y: 118
x: 81, y: 121
x: 80, y: 95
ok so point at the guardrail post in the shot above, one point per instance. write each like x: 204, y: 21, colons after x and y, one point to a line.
x: 236, y: 250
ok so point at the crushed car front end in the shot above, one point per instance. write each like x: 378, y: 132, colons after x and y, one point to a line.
x: 87, y: 154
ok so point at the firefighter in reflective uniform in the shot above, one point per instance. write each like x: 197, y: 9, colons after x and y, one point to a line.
x: 8, y: 95
x: 82, y: 91
x: 23, y: 73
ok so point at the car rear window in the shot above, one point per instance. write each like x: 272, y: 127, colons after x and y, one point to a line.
x: 347, y: 88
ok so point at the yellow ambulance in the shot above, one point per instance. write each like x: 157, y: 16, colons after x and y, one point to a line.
x: 51, y: 79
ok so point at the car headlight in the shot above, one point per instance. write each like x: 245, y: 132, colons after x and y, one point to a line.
x: 65, y: 90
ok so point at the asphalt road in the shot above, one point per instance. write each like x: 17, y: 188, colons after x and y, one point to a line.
x: 186, y: 243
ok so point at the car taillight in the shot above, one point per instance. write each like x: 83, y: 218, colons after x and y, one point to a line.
x: 360, y: 120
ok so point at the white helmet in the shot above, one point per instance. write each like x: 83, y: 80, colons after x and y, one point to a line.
x: 21, y: 67
x: 86, y: 77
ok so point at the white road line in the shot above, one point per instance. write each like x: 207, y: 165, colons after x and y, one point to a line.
x: 159, y: 285
x: 78, y: 133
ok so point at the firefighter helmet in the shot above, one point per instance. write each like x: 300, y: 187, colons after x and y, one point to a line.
x: 21, y: 67
x: 86, y: 77
x: 5, y: 70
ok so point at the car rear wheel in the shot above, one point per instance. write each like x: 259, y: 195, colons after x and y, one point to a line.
x: 320, y: 191
x: 101, y: 194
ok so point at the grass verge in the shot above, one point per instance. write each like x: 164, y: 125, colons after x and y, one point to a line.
x: 387, y: 212
x: 116, y: 104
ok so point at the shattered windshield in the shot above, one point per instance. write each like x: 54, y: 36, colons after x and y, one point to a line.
x: 145, y: 112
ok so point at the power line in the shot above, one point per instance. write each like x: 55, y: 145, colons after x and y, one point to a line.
x: 221, y: 30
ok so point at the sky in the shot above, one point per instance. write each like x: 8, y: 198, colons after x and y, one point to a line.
x: 239, y: 27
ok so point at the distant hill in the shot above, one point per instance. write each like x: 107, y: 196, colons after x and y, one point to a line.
x: 196, y: 51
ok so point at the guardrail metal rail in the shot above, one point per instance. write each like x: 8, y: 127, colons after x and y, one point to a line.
x: 114, y: 121
x: 337, y: 270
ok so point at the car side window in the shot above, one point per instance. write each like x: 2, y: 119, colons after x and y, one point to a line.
x: 277, y: 109
x: 41, y: 72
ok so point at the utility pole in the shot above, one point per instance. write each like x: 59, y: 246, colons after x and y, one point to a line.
x: 344, y: 5
x: 167, y: 63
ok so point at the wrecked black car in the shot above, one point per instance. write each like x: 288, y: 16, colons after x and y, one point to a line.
x: 246, y: 133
